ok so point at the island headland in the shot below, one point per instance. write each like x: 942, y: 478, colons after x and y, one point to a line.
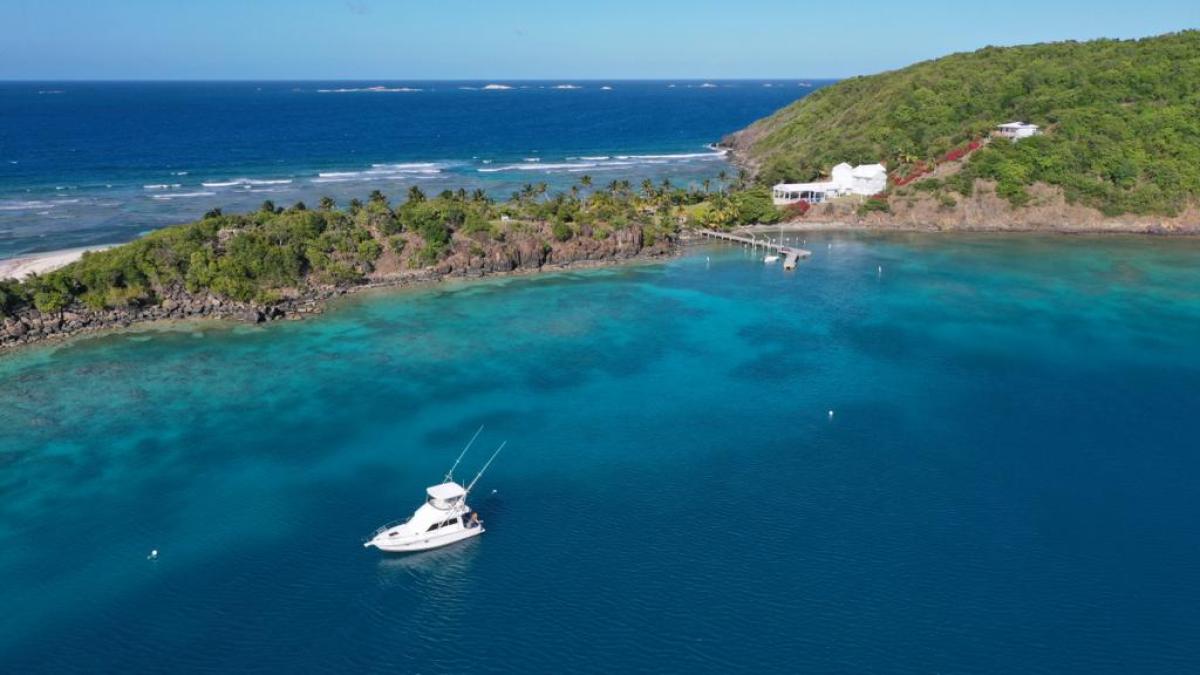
x: 284, y: 263
x: 1097, y: 136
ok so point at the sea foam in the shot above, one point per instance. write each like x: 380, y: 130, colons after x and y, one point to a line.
x: 396, y: 171
x: 603, y: 162
x: 247, y: 182
x: 369, y: 90
x: 25, y: 205
x: 182, y: 195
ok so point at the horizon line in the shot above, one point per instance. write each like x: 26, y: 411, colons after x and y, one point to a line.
x: 431, y: 79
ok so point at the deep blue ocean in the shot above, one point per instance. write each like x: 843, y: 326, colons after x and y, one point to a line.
x: 1007, y: 482
x: 93, y: 163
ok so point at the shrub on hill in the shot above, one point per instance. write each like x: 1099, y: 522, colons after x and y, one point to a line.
x: 1122, y: 129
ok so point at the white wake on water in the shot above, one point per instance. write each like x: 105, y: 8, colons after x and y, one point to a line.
x: 239, y: 182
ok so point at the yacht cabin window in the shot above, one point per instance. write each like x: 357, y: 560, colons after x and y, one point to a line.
x: 448, y: 523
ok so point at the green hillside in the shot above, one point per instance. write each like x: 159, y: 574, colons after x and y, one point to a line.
x: 1122, y: 121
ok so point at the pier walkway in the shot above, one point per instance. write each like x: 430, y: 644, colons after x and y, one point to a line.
x: 790, y: 254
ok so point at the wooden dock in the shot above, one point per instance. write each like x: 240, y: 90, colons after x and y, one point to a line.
x: 791, y: 254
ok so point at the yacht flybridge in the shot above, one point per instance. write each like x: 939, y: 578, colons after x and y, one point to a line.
x: 443, y: 519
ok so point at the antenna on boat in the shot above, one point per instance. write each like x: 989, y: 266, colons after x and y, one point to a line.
x: 450, y: 473
x: 485, y: 466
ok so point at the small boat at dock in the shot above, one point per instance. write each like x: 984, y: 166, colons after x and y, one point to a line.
x: 772, y: 258
x: 444, y: 518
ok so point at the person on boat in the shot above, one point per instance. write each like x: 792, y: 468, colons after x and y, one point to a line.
x: 475, y: 521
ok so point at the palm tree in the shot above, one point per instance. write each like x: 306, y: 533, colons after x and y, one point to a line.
x: 614, y: 187
x: 355, y: 205
x: 585, y: 180
x: 723, y: 211
x: 326, y: 203
x: 415, y: 194
x: 707, y: 185
x: 479, y: 195
x: 377, y: 197
x: 648, y: 188
x: 905, y: 156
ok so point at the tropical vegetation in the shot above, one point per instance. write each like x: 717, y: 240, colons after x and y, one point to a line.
x: 256, y: 256
x: 1121, y: 121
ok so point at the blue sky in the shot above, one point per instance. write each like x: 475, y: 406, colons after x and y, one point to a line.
x: 490, y: 39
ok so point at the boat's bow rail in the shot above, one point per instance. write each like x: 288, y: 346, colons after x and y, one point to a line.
x: 385, y: 528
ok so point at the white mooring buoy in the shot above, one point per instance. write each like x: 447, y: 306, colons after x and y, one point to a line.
x: 153, y: 555
x: 830, y: 414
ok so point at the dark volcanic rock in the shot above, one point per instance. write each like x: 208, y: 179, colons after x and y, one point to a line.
x: 468, y: 257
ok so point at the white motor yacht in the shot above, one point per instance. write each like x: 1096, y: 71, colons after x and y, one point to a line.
x: 443, y: 519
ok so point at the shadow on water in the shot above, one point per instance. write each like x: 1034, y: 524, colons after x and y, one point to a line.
x: 448, y: 565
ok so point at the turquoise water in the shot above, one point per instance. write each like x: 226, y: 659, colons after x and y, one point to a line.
x: 1007, y: 484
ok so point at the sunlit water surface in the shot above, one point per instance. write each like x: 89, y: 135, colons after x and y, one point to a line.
x: 1007, y: 482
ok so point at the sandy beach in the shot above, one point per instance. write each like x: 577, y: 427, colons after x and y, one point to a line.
x: 40, y: 263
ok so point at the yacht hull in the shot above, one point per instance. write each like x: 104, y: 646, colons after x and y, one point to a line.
x: 420, y: 543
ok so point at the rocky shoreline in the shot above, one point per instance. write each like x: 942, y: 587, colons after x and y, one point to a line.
x: 31, y: 327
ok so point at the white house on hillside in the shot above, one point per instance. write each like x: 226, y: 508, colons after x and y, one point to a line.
x: 1018, y: 130
x: 867, y: 179
x: 842, y: 174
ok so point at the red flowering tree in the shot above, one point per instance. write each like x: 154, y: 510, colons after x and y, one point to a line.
x: 798, y: 209
x: 960, y: 152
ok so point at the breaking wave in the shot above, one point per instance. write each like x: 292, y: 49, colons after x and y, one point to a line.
x: 183, y: 195
x: 382, y: 172
x: 374, y: 90
x: 604, y: 162
x: 26, y: 205
x: 246, y: 182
